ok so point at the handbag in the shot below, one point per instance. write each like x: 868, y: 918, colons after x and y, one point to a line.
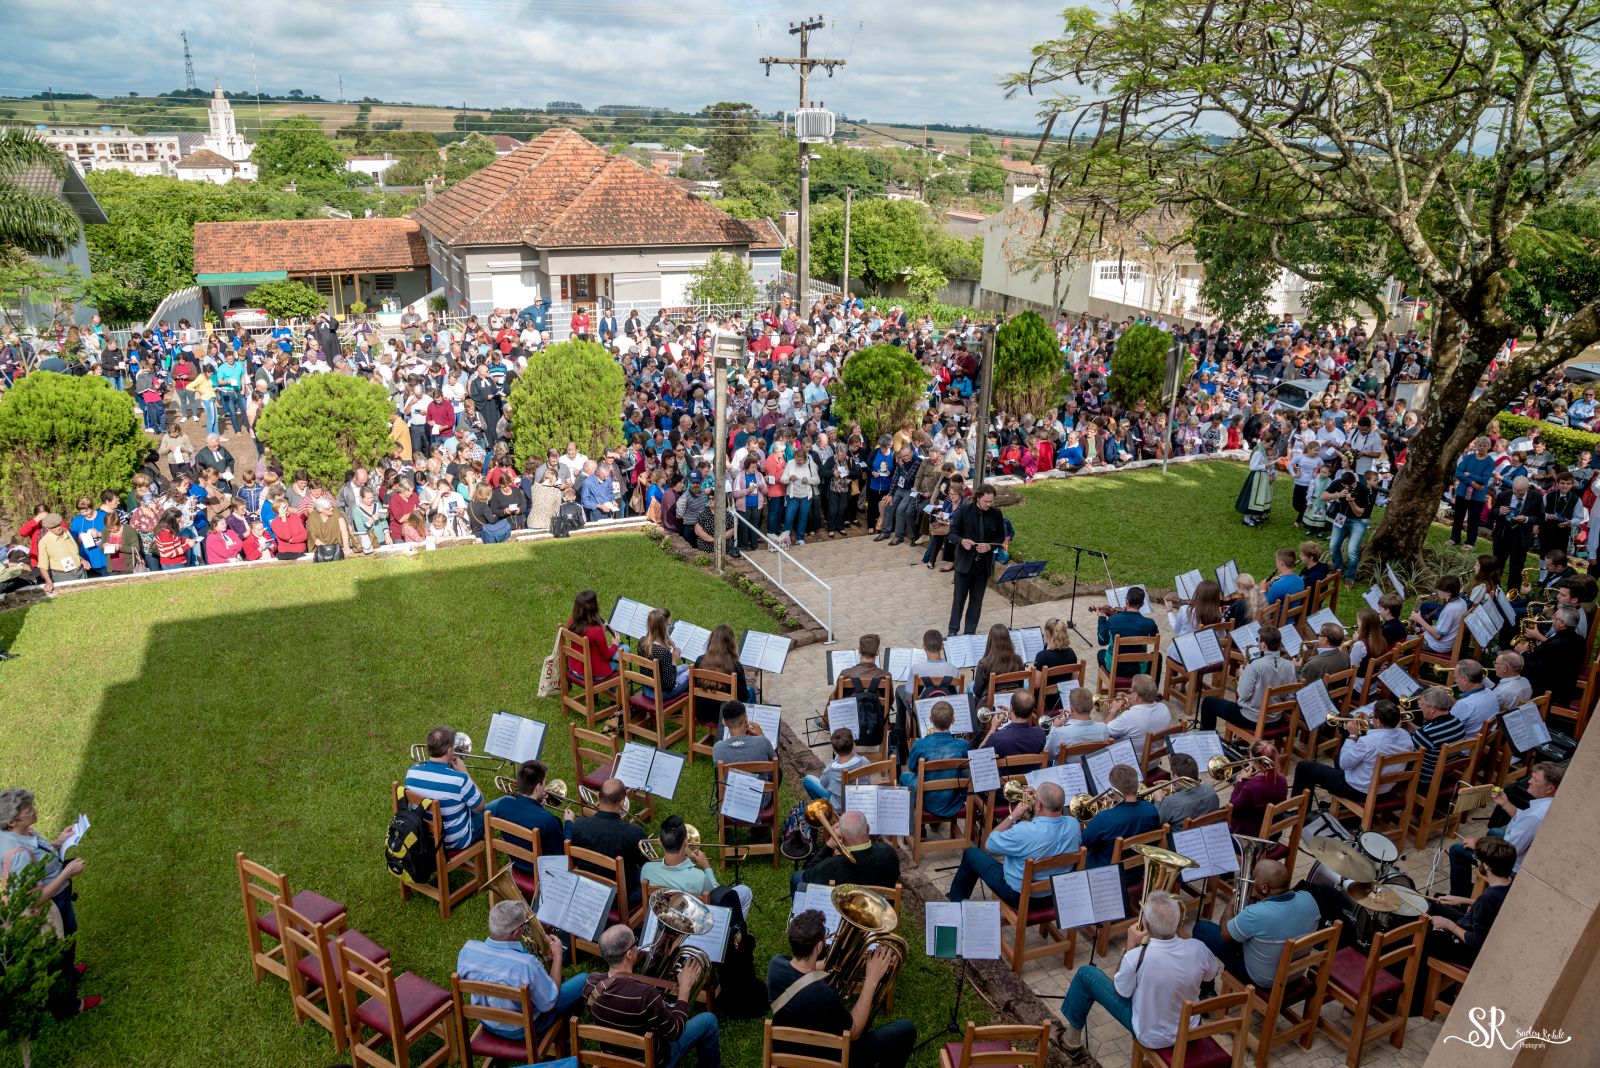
x: 327, y: 554
x: 549, y: 678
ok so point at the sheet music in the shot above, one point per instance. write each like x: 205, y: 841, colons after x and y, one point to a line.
x: 74, y: 836
x: 1196, y: 650
x: 1291, y: 640
x: 1029, y: 642
x: 633, y: 765
x: 714, y: 941
x: 1118, y: 599
x: 630, y: 617
x: 690, y: 639
x: 1484, y: 623
x: 1202, y: 745
x: 1003, y: 700
x: 840, y: 660
x: 1245, y: 635
x: 886, y: 808
x: 1228, y: 578
x: 1400, y: 684
x: 1122, y: 752
x: 516, y: 738
x: 644, y: 767
x: 945, y: 915
x: 1372, y: 596
x: 545, y: 863
x: 898, y: 663
x: 1089, y: 897
x: 767, y: 717
x: 1316, y: 705
x: 763, y: 651
x: 1318, y: 619
x: 1067, y: 776
x: 1524, y: 727
x: 1101, y: 761
x: 964, y: 650
x: 820, y: 897
x: 843, y: 713
x: 573, y: 902
x: 1508, y: 611
x: 960, y: 703
x: 980, y: 930
x: 1394, y: 581
x: 1187, y: 582
x: 742, y: 796
x: 984, y: 767
x: 1066, y: 688
x: 1210, y: 847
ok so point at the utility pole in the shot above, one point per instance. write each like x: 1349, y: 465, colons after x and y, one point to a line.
x: 844, y: 280
x: 804, y: 63
x: 188, y: 62
x: 980, y: 462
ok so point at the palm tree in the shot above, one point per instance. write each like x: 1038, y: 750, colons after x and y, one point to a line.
x: 33, y: 217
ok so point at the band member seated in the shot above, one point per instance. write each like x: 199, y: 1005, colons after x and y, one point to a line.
x: 588, y: 624
x: 1327, y: 658
x: 526, y: 808
x: 1255, y: 789
x: 1020, y: 837
x: 444, y: 778
x: 1197, y: 800
x: 684, y: 868
x: 1439, y: 636
x: 1358, y: 756
x: 1394, y: 628
x: 502, y: 958
x: 875, y: 863
x: 1269, y: 669
x: 618, y: 998
x: 1016, y: 735
x: 1439, y: 727
x: 1128, y: 817
x: 1554, y: 664
x: 1159, y: 971
x: 1510, y: 688
x: 865, y: 673
x: 1126, y: 622
x: 1250, y: 943
x: 1477, y: 705
x: 605, y: 832
x: 1077, y: 725
x: 1523, y: 808
x: 1460, y: 924
x: 938, y: 744
x: 802, y: 997
x: 744, y: 742
x: 830, y: 784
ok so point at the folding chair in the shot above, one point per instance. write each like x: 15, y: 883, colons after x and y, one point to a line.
x: 1125, y: 856
x: 1374, y: 989
x: 309, y: 953
x: 767, y: 818
x: 923, y: 821
x: 713, y: 686
x: 397, y: 1010
x: 528, y: 1049
x: 1392, y: 793
x: 581, y: 692
x: 614, y: 1047
x: 1036, y: 910
x: 605, y: 868
x: 1129, y: 657
x: 837, y: 1048
x: 998, y: 1045
x: 473, y: 859
x: 497, y: 835
x: 651, y: 716
x: 1297, y: 993
x: 1197, y: 1045
x: 260, y: 887
x: 1457, y: 762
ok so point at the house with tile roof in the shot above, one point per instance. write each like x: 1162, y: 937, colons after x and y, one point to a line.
x: 376, y: 261
x: 205, y: 165
x: 68, y: 185
x: 562, y: 220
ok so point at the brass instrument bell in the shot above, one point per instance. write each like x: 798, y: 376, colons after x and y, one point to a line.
x: 1162, y: 869
x: 867, y: 924
x: 535, y: 939
x: 679, y: 917
x: 1017, y: 793
x: 1221, y: 769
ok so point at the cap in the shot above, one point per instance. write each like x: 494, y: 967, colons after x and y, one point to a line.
x: 50, y: 521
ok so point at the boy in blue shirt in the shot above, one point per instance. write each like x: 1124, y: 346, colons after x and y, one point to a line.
x: 1288, y: 583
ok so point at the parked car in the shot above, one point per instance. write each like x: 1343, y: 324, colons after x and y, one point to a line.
x: 239, y: 315
x: 1297, y: 395
x: 1581, y: 374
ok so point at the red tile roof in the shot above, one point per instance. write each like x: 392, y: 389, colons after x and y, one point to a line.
x: 303, y: 246
x: 205, y: 159
x: 561, y: 191
x: 768, y: 236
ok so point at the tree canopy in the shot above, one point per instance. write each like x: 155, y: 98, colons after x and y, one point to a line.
x: 33, y: 221
x: 63, y: 437
x: 287, y: 298
x: 572, y: 391
x: 296, y: 150
x: 327, y: 425
x: 723, y: 279
x: 733, y: 136
x: 879, y: 387
x: 1028, y: 365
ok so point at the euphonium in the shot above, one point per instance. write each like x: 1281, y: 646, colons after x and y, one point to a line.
x: 1162, y: 869
x: 867, y: 923
x: 535, y: 939
x: 1085, y: 807
x: 679, y: 916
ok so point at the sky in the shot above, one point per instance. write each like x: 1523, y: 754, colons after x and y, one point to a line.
x: 907, y: 60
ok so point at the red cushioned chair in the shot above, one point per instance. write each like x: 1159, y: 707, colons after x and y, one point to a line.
x: 998, y: 1046
x: 651, y: 717
x: 1197, y: 1047
x: 1374, y: 989
x: 308, y: 949
x: 260, y: 887
x: 397, y: 1011
x: 528, y: 1049
x: 1291, y: 1007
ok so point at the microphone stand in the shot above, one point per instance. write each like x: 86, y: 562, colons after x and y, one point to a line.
x: 1077, y: 562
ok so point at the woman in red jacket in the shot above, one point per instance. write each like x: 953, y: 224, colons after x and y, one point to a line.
x: 402, y: 502
x: 586, y: 622
x: 289, y: 529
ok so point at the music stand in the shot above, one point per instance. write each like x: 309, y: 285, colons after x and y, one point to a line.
x: 1469, y: 799
x: 1016, y: 573
x: 1077, y: 562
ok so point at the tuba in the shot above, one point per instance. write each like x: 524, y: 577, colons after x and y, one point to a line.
x: 1251, y: 850
x: 1162, y: 869
x: 867, y: 922
x: 679, y: 916
x: 535, y: 939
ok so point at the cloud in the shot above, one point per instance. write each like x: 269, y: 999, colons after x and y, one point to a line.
x: 913, y: 61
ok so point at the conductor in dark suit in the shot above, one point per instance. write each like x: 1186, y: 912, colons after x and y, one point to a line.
x: 1554, y: 664
x: 1518, y: 511
x: 977, y: 530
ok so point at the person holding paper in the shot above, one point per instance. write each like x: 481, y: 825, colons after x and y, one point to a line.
x: 1250, y: 943
x: 587, y: 623
x: 1128, y: 817
x: 1078, y: 726
x: 1510, y: 688
x: 1139, y: 716
x: 618, y: 998
x: 444, y: 778
x: 1554, y: 664
x: 684, y: 868
x: 830, y: 784
x: 1159, y: 971
x: 1478, y: 704
x: 802, y: 997
x: 745, y: 742
x: 1198, y: 800
x: 977, y: 529
x: 1266, y: 671
x: 1518, y: 511
x: 607, y: 833
x: 21, y: 846
x: 1129, y: 621
x: 1326, y: 658
x: 938, y: 744
x: 502, y: 958
x: 1358, y: 756
x: 876, y: 863
x: 1017, y: 840
x: 526, y: 808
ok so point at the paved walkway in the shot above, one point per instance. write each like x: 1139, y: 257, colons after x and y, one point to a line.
x: 883, y: 590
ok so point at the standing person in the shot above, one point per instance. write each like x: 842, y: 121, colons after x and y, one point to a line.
x: 800, y: 480
x: 1472, y: 475
x: 881, y: 467
x: 1518, y: 512
x: 1350, y: 510
x: 978, y: 529
x: 1255, y: 496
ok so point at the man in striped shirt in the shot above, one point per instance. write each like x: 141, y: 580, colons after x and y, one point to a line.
x: 1438, y: 729
x: 622, y: 1000
x: 443, y: 777
x: 502, y: 958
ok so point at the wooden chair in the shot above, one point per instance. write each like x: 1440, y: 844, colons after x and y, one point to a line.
x: 1186, y: 686
x: 1326, y: 593
x: 819, y: 1041
x: 530, y: 1048
x: 474, y: 859
x: 1293, y: 610
x: 1039, y: 913
x: 923, y: 821
x: 1197, y: 1044
x: 1066, y: 753
x: 1392, y: 793
x: 497, y: 840
x: 1050, y: 680
x: 608, y: 869
x: 998, y: 1046
x: 581, y: 693
x: 707, y: 685
x: 1442, y: 976
x: 849, y: 687
x: 1374, y: 989
x: 612, y: 1044
x: 1297, y: 993
x: 594, y: 756
x: 1007, y: 682
x: 262, y: 888
x: 874, y: 773
x: 1287, y: 817
x: 1155, y: 743
x: 397, y: 1010
x: 1123, y: 855
x: 994, y: 804
x: 1129, y: 657
x: 1457, y: 763
x: 1408, y: 655
x: 768, y: 817
x: 1581, y: 707
x: 310, y: 956
x: 1276, y: 701
x: 650, y: 716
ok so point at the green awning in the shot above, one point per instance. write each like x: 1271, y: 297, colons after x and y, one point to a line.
x: 240, y: 278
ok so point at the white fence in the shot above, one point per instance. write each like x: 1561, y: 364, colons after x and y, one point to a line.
x: 796, y: 583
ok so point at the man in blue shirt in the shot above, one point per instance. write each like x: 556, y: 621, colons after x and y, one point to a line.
x: 229, y: 379
x: 596, y: 495
x: 526, y: 808
x: 1127, y: 622
x: 938, y: 744
x: 1288, y: 583
x: 502, y: 958
x: 1251, y: 944
x: 1126, y: 818
x: 1019, y: 838
x: 1473, y: 472
x: 443, y: 777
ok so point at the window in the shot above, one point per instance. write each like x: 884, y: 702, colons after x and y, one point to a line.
x: 323, y: 284
x: 1121, y: 272
x: 383, y: 283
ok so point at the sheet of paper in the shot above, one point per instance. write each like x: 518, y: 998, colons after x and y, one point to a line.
x: 1228, y: 578
x: 1122, y: 752
x: 1484, y: 622
x: 768, y: 717
x: 960, y: 704
x: 714, y: 942
x: 1508, y: 611
x: 1067, y: 776
x: 555, y: 894
x: 1066, y: 688
x: 1210, y: 847
x: 840, y: 660
x: 741, y: 797
x: 985, y: 769
x: 820, y: 897
x: 79, y: 826
x: 1524, y: 727
x: 633, y: 765
x: 1003, y: 700
x: 1318, y: 619
x: 1089, y: 897
x: 1372, y: 597
x: 1187, y: 582
x: 589, y: 907
x: 1291, y: 640
x: 1028, y: 641
x: 690, y: 639
x: 1202, y: 745
x: 1118, y: 599
x: 516, y: 738
x: 544, y: 864
x: 1394, y: 581
x: 980, y: 930
x: 763, y: 651
x: 665, y: 768
x: 1099, y: 765
x: 941, y: 917
x: 1316, y: 705
x: 843, y: 713
x: 1245, y: 636
x: 898, y: 663
x: 630, y: 617
x: 1400, y: 684
x: 1196, y: 651
x: 893, y: 816
x: 965, y: 650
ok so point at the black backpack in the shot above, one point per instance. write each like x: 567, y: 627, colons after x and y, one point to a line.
x: 568, y: 517
x: 870, y: 717
x: 409, y: 848
x: 741, y: 993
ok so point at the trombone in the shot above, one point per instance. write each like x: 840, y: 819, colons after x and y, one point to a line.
x: 652, y: 849
x: 1180, y: 782
x: 463, y: 749
x: 1221, y: 769
x: 1366, y: 723
x: 556, y: 797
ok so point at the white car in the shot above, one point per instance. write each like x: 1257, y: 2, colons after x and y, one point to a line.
x: 1297, y: 394
x: 246, y: 317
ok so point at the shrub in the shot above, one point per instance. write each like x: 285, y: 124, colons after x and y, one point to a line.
x: 328, y: 424
x: 1564, y: 443
x: 879, y: 387
x: 1028, y: 367
x: 1139, y: 366
x: 925, y: 283
x: 438, y: 303
x: 63, y: 437
x: 28, y: 952
x: 572, y: 391
x: 287, y: 299
x: 722, y: 279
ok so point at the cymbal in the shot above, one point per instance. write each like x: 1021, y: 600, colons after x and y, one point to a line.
x: 1341, y: 858
x: 1376, y: 898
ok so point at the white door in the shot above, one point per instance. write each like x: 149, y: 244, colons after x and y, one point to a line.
x: 674, y: 285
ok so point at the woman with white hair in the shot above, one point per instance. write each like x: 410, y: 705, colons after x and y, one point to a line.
x: 20, y: 846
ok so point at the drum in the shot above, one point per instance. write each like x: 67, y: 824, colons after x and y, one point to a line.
x: 1378, y: 848
x: 1416, y: 904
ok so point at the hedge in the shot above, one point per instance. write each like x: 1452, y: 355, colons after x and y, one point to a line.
x: 1562, y: 442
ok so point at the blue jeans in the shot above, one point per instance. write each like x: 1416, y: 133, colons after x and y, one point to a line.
x: 210, y: 406
x: 814, y: 788
x: 799, y: 515
x: 568, y: 997
x: 775, y: 515
x: 699, y: 1034
x: 1348, y: 538
x: 233, y: 408
x: 1091, y: 986
x: 978, y: 865
x: 1231, y: 954
x: 186, y: 404
x: 496, y: 532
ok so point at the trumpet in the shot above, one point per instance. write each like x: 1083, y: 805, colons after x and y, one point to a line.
x: 1085, y: 807
x: 986, y: 714
x: 1221, y: 769
x: 652, y: 849
x: 463, y: 749
x: 535, y: 939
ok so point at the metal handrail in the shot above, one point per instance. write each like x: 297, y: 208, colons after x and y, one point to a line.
x: 783, y: 554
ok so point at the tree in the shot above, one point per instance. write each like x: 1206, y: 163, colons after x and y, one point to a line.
x: 732, y: 138
x: 879, y: 387
x: 985, y: 180
x: 943, y: 188
x: 572, y: 391
x: 25, y: 281
x: 63, y: 437
x: 1446, y: 128
x: 467, y: 157
x: 288, y: 298
x: 33, y: 219
x: 839, y: 169
x: 887, y: 238
x: 979, y: 146
x: 925, y: 283
x: 1028, y: 365
x: 1138, y: 366
x: 30, y: 956
x: 722, y: 279
x: 328, y: 424
x: 295, y: 149
x: 755, y: 199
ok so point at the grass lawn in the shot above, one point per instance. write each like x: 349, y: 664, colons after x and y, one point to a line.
x: 267, y: 711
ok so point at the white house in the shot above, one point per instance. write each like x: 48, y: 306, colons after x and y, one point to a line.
x: 206, y: 166
x: 371, y: 166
